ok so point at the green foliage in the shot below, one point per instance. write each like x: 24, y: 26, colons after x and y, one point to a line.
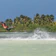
x: 25, y: 23
x: 52, y: 28
x: 8, y: 22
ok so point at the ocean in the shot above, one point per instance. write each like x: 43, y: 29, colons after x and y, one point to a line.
x: 37, y: 43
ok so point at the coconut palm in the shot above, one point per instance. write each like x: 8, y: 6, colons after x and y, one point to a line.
x: 16, y: 20
x: 51, y: 17
x: 37, y: 19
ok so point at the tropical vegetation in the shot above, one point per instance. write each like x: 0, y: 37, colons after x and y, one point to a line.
x: 24, y: 23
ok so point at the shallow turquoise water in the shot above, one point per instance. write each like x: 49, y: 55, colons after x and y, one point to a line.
x: 27, y: 48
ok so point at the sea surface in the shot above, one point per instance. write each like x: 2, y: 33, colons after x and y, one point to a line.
x: 37, y: 43
x: 36, y: 35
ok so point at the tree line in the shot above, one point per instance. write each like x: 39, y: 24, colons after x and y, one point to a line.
x: 25, y: 23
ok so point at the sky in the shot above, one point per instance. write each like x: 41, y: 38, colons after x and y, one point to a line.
x: 13, y: 8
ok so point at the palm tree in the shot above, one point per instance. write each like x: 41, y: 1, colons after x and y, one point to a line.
x: 42, y: 19
x: 22, y: 16
x: 37, y: 19
x: 51, y: 17
x: 16, y: 20
x: 46, y: 20
x: 42, y: 16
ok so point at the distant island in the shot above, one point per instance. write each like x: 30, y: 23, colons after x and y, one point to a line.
x: 27, y: 24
